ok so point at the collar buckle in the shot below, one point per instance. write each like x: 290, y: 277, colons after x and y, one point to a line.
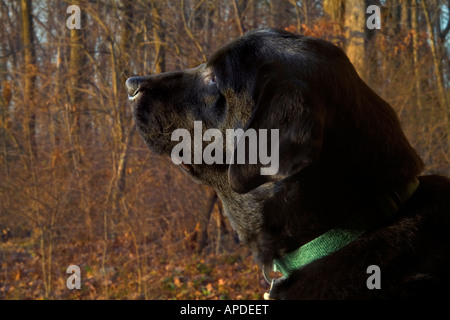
x: 266, y: 269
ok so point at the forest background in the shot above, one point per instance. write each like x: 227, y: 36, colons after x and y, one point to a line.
x: 79, y: 187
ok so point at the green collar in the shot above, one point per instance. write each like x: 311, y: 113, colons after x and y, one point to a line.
x: 344, y: 234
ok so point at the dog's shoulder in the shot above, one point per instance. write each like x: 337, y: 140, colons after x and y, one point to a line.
x: 433, y: 190
x: 411, y: 254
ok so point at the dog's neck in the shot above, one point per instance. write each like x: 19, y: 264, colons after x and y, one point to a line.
x: 244, y: 211
x: 277, y: 218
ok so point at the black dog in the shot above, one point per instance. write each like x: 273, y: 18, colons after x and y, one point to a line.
x: 345, y: 216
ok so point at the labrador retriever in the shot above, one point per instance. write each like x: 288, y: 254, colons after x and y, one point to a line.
x: 346, y: 214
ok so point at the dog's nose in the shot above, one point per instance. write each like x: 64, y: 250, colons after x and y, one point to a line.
x: 133, y: 85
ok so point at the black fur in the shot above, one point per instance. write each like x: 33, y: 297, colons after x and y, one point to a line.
x: 341, y: 148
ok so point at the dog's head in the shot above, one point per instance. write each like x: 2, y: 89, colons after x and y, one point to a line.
x: 305, y: 88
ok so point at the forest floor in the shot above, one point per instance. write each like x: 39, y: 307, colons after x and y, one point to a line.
x: 119, y: 274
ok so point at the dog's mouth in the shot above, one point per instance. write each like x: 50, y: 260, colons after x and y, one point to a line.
x: 134, y: 95
x: 186, y: 167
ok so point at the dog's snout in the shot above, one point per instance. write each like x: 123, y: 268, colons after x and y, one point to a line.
x: 133, y: 85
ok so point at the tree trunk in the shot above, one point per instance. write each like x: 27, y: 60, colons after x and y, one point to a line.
x: 335, y: 10
x: 122, y: 139
x: 203, y: 239
x: 354, y: 26
x: 76, y: 71
x: 405, y: 16
x: 159, y: 39
x: 5, y: 99
x: 278, y: 13
x: 238, y: 18
x: 437, y: 68
x: 77, y: 68
x: 30, y: 74
x: 417, y: 73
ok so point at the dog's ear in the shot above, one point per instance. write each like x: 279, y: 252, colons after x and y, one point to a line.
x: 283, y: 103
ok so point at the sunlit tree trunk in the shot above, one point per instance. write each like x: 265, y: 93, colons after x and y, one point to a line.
x: 354, y: 26
x: 334, y: 9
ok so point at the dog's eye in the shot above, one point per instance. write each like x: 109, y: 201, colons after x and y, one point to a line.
x: 211, y: 79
